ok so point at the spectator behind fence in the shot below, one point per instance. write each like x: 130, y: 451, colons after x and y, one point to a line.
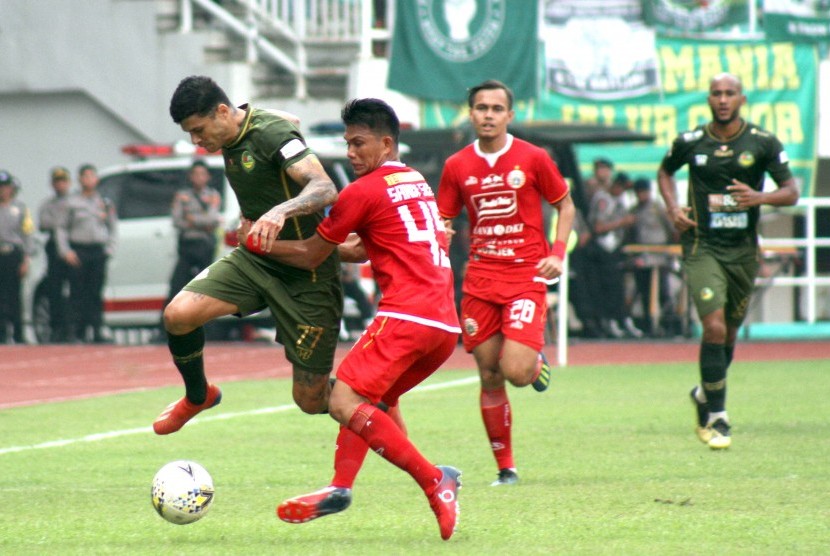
x: 609, y: 219
x: 580, y: 294
x: 652, y: 227
x: 600, y: 180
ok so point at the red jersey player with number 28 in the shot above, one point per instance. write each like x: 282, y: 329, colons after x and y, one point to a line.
x: 393, y: 211
x: 502, y: 181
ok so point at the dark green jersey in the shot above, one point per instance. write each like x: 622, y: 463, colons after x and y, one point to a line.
x: 256, y: 163
x: 722, y: 227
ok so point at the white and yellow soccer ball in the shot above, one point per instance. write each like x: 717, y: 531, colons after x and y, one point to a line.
x: 182, y: 492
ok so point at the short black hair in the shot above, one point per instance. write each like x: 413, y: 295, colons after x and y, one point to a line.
x: 84, y: 167
x: 199, y: 162
x: 373, y: 113
x: 642, y: 184
x: 490, y: 84
x: 602, y: 161
x: 622, y: 178
x: 197, y: 94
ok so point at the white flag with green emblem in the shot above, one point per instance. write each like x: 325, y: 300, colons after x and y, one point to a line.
x: 440, y: 48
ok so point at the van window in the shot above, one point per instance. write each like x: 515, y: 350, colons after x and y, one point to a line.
x: 149, y: 193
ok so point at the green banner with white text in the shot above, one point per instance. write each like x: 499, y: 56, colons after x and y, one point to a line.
x: 779, y: 79
x: 797, y: 20
x: 441, y: 48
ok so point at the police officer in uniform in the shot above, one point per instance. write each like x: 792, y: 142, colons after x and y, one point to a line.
x: 16, y: 245
x: 86, y: 237
x: 196, y: 216
x: 57, y: 272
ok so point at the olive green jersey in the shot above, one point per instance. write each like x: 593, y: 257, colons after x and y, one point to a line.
x: 256, y: 163
x: 723, y: 228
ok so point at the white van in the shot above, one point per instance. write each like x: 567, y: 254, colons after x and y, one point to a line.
x: 138, y: 274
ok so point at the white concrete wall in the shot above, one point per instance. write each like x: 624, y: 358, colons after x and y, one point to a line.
x: 45, y: 129
x: 79, y: 79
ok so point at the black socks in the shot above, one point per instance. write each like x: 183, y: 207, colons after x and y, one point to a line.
x: 187, y: 352
x: 713, y: 363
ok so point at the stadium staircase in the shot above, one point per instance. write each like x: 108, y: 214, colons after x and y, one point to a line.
x: 297, y: 48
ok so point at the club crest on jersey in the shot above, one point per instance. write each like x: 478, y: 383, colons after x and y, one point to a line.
x: 516, y: 178
x: 701, y: 159
x: 746, y: 159
x: 470, y: 326
x: 247, y: 161
x: 706, y: 294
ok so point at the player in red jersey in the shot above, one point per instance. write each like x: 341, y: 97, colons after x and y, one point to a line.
x: 502, y: 182
x: 392, y: 209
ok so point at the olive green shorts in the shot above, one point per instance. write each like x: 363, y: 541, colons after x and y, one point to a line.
x: 715, y: 284
x: 307, y: 313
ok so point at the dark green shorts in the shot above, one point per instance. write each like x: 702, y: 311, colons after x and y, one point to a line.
x: 307, y: 313
x: 715, y: 284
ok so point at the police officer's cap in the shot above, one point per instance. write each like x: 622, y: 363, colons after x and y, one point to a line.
x: 60, y: 173
x: 6, y: 178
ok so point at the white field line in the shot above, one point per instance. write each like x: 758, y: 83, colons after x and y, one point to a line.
x: 205, y: 419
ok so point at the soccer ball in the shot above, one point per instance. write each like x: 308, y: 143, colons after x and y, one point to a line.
x: 182, y: 492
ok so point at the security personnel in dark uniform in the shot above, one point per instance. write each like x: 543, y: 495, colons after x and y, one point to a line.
x: 16, y: 245
x: 86, y: 237
x: 196, y: 216
x: 57, y: 271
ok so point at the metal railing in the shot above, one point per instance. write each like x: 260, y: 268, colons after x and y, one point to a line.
x: 300, y: 22
x: 809, y: 243
x: 809, y: 279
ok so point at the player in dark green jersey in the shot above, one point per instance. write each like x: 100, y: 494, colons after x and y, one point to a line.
x: 282, y: 190
x: 727, y: 159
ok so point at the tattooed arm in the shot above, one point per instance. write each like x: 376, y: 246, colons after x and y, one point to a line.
x: 318, y: 192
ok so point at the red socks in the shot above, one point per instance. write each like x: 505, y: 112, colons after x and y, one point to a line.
x: 495, y: 411
x: 384, y: 436
x: 350, y: 452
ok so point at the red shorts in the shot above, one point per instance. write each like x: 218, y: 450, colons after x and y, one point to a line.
x: 518, y: 311
x: 393, y: 356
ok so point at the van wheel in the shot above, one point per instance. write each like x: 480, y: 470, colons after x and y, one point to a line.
x: 41, y: 315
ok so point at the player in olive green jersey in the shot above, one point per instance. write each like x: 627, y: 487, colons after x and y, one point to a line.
x: 282, y: 187
x: 727, y: 159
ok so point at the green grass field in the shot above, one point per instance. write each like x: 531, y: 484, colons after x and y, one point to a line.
x: 608, y: 460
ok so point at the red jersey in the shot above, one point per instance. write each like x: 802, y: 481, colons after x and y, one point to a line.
x: 393, y: 211
x: 503, y: 195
